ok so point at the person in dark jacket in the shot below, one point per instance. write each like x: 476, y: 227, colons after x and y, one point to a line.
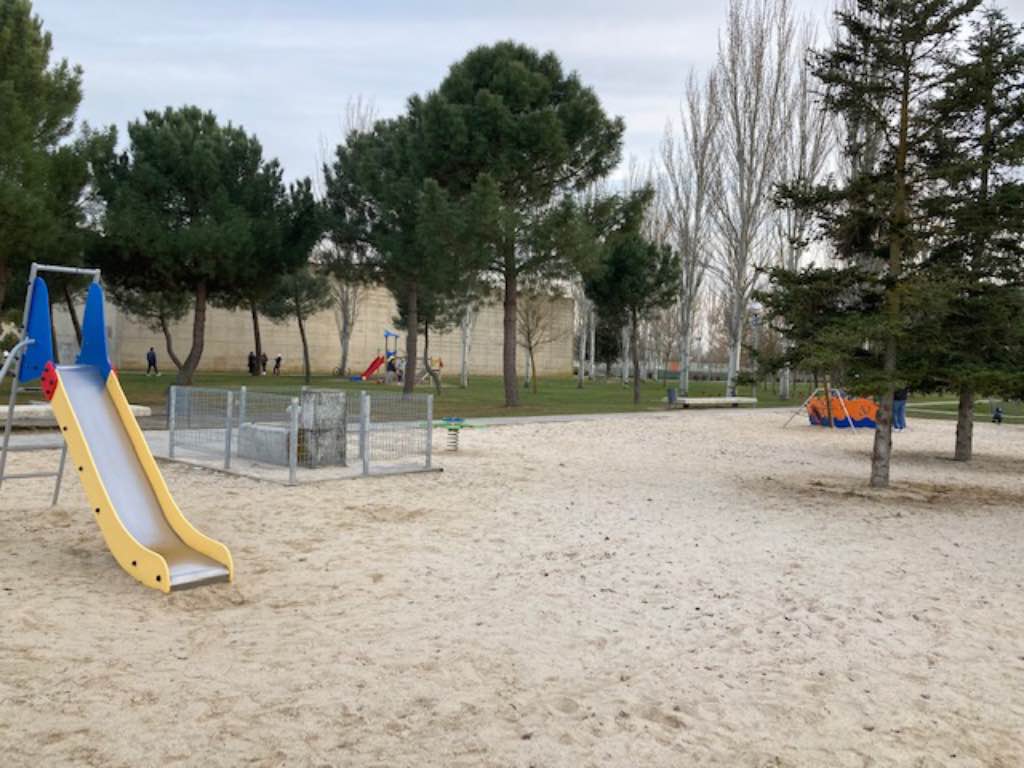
x: 899, y: 409
x: 151, y: 363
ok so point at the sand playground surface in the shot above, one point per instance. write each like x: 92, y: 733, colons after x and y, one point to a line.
x: 676, y: 589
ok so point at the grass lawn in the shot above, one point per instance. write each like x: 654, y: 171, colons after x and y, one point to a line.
x: 483, y: 397
x: 556, y: 395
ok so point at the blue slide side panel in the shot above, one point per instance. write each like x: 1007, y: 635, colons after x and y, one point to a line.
x: 94, y: 333
x: 39, y: 353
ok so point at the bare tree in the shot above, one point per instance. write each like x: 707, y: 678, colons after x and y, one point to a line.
x: 348, y: 298
x: 583, y: 315
x: 538, y: 315
x: 753, y: 74
x: 805, y: 151
x: 690, y: 166
x: 466, y: 326
x: 345, y: 264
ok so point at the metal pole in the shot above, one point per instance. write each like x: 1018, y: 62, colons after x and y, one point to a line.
x: 67, y: 270
x: 293, y: 442
x: 10, y: 364
x: 243, y: 397
x: 60, y: 475
x: 802, y: 407
x: 172, y: 396
x: 22, y: 335
x: 364, y: 430
x: 228, y: 423
x: 430, y: 428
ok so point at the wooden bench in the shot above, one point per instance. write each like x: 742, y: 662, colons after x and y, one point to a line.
x: 713, y: 402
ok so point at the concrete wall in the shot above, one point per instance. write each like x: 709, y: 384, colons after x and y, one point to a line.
x: 229, y: 339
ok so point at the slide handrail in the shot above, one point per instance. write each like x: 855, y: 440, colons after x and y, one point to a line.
x: 14, y: 352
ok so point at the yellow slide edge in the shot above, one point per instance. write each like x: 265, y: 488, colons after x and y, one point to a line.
x: 145, y: 565
x: 187, y: 532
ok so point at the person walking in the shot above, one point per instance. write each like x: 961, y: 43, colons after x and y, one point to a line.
x: 277, y: 364
x: 899, y: 409
x: 263, y: 362
x: 151, y: 368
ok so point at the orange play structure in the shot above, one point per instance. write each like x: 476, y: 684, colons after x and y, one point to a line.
x: 856, y: 412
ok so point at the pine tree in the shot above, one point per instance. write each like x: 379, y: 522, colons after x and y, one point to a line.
x: 178, y: 223
x: 888, y: 60
x: 511, y: 127
x: 42, y: 173
x: 976, y: 150
x: 634, y: 276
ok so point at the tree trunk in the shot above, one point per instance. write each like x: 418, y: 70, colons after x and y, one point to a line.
x: 434, y: 377
x: 169, y: 342
x: 881, y: 450
x: 581, y: 352
x: 533, y: 371
x: 634, y: 343
x: 785, y: 383
x: 684, y: 364
x: 257, y: 340
x: 881, y: 453
x: 965, y: 424
x: 411, y: 332
x: 70, y: 303
x: 592, y: 325
x: 626, y: 336
x: 510, y: 340
x: 466, y: 342
x: 346, y: 338
x: 307, y: 373
x: 735, y: 331
x: 188, y: 368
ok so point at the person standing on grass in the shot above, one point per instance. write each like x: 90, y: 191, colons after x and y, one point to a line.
x: 899, y: 409
x: 263, y: 362
x: 151, y: 363
x: 252, y: 363
x: 277, y: 364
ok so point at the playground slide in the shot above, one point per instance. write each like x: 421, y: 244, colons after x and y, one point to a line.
x: 378, y: 361
x: 143, y: 527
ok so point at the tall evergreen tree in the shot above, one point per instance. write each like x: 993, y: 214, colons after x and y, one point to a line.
x: 634, y: 276
x: 413, y: 237
x: 178, y: 226
x: 509, y: 126
x: 886, y: 63
x: 976, y: 149
x: 42, y: 175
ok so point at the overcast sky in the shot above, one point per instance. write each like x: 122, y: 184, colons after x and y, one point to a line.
x: 285, y: 70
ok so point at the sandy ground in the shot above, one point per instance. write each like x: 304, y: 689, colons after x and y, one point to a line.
x: 687, y: 589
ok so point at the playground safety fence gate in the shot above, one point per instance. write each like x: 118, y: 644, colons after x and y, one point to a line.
x: 317, y: 428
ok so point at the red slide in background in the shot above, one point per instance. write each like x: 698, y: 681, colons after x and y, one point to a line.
x: 377, y: 363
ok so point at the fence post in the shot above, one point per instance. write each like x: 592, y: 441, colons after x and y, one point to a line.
x: 228, y: 424
x: 242, y: 398
x: 430, y: 428
x: 364, y: 431
x: 293, y: 442
x: 172, y: 395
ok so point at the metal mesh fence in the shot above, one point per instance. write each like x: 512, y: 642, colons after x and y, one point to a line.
x: 399, y: 427
x: 199, y: 420
x: 315, y: 429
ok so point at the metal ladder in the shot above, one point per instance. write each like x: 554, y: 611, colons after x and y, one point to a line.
x: 12, y: 366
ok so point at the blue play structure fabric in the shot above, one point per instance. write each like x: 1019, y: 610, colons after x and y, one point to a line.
x: 40, y: 352
x: 94, y: 333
